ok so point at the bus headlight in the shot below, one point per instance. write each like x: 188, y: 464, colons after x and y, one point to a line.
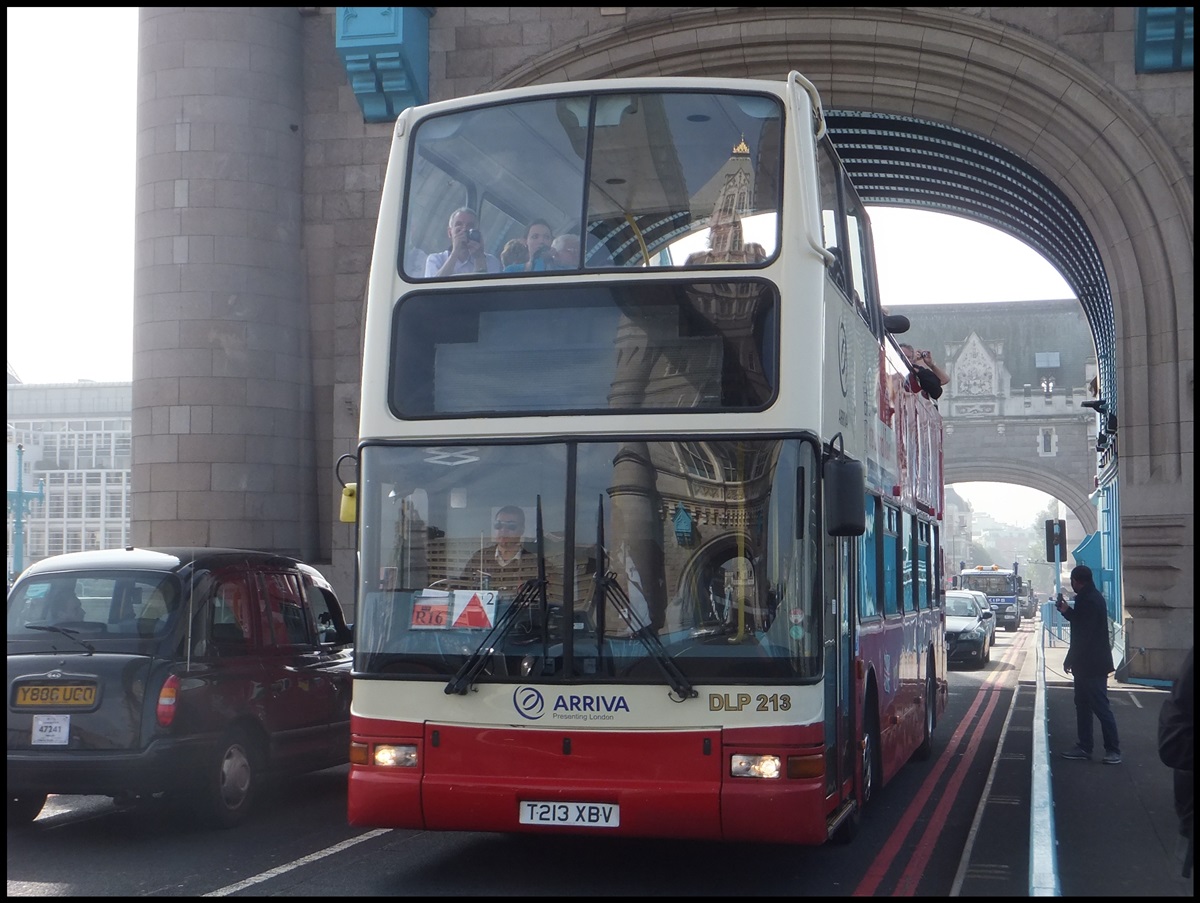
x: 741, y: 766
x: 395, y: 756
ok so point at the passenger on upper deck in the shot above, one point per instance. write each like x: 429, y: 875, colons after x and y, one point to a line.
x: 515, y: 255
x: 537, y: 243
x: 465, y: 254
x: 565, y: 252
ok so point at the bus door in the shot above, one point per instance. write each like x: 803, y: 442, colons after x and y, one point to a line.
x: 839, y: 603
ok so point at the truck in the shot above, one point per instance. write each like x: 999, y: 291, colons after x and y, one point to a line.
x: 1001, y: 585
x: 1027, y: 599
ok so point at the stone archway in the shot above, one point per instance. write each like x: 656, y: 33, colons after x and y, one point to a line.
x: 1099, y: 150
x: 1047, y: 481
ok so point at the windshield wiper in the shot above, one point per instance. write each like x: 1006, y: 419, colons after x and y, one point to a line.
x: 641, y: 632
x: 65, y: 631
x: 463, y: 679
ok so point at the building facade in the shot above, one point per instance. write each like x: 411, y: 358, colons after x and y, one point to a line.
x: 76, y: 443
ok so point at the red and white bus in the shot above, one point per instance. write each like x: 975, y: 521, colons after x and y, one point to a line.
x: 648, y: 529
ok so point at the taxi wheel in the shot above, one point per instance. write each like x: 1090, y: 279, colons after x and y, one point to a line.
x: 24, y: 808
x: 230, y: 781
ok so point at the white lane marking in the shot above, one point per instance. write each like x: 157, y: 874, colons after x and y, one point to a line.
x: 295, y: 864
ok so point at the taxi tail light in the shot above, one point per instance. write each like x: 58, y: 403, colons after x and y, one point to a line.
x: 164, y: 711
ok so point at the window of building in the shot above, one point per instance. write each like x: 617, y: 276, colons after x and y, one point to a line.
x: 1163, y: 41
x: 1047, y: 442
x: 696, y: 461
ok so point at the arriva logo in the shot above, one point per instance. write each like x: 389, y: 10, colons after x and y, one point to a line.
x: 529, y: 703
x: 591, y: 704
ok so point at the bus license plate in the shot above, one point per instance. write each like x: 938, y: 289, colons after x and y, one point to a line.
x: 585, y: 815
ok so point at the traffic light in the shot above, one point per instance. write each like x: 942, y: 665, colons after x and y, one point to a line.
x: 1056, y: 540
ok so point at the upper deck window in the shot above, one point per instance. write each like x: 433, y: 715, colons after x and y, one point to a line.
x: 629, y: 180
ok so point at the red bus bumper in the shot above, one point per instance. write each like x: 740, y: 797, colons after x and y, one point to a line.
x: 672, y: 784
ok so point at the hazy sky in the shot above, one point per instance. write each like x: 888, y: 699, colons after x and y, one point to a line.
x: 71, y: 170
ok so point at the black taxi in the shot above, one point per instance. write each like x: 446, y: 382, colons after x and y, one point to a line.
x: 191, y: 672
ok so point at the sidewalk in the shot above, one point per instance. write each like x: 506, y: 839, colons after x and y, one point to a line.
x: 1114, y: 825
x: 1083, y: 828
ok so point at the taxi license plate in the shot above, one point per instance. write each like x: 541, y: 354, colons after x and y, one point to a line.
x: 41, y: 696
x: 584, y: 815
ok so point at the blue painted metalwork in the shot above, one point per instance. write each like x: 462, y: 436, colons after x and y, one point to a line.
x: 385, y: 50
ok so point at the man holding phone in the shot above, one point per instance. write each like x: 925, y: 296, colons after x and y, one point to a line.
x: 465, y: 254
x: 1089, y: 662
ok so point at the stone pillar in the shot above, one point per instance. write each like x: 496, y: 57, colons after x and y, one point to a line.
x: 223, y: 443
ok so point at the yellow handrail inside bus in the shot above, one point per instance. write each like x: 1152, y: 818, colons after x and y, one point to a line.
x: 637, y: 233
x: 741, y: 579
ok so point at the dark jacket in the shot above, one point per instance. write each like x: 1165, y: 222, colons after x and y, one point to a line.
x: 1176, y: 748
x: 1177, y: 719
x: 1090, y: 654
x: 922, y: 379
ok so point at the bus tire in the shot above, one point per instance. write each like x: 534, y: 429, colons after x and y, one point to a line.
x: 925, y: 750
x: 872, y: 755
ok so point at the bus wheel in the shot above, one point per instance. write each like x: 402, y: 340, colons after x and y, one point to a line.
x: 926, y: 748
x: 872, y: 762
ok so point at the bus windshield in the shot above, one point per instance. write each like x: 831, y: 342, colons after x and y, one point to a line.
x: 727, y: 591
x: 990, y: 583
x: 639, y: 179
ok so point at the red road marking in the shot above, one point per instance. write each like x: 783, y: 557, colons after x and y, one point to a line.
x: 908, y: 881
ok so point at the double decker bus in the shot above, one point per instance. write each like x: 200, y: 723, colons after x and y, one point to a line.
x: 648, y: 537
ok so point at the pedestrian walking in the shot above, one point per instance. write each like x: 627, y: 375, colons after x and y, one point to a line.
x: 1177, y: 749
x: 1089, y: 662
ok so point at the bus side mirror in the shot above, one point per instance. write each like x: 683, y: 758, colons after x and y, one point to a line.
x: 845, y: 497
x: 895, y: 323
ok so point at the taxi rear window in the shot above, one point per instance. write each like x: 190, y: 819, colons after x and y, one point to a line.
x: 95, y: 604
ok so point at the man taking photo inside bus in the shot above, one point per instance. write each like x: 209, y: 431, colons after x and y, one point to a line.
x: 465, y: 254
